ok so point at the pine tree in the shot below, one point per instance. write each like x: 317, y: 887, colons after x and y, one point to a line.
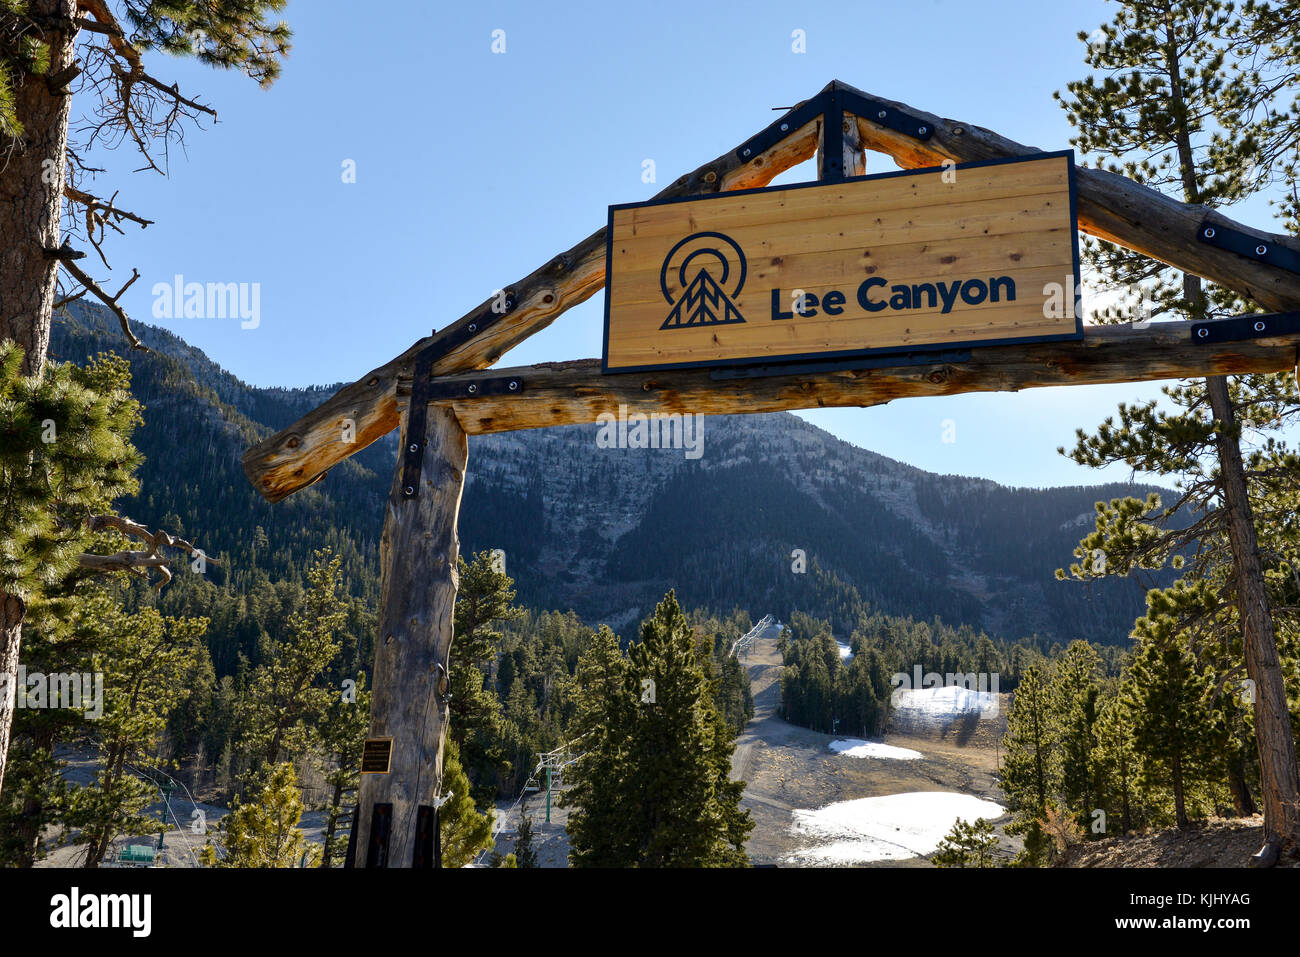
x: 143, y: 659
x: 44, y: 45
x: 1073, y: 692
x: 967, y: 845
x: 265, y: 834
x: 1030, y: 768
x: 1269, y: 37
x: 465, y: 831
x: 1038, y: 850
x: 685, y: 810
x: 65, y: 453
x: 287, y: 698
x: 483, y: 599
x: 597, y: 794
x: 343, y: 734
x: 476, y: 724
x: 1115, y: 763
x: 1171, y: 730
x: 525, y: 854
x: 1175, y: 109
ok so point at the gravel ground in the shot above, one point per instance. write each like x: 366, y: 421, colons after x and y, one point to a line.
x: 1218, y: 842
x: 787, y: 767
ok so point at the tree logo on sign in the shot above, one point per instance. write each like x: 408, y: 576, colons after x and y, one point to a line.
x: 703, y: 265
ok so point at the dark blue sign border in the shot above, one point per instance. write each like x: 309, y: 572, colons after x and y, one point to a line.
x: 849, y: 353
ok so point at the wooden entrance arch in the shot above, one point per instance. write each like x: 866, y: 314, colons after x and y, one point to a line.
x: 438, y: 392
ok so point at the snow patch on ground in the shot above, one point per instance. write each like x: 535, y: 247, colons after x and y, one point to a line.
x: 889, y: 828
x: 950, y: 701
x: 857, y: 748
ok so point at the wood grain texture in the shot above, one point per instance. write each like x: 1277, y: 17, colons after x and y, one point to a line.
x: 1109, y: 206
x: 910, y: 235
x: 569, y: 393
x: 418, y: 553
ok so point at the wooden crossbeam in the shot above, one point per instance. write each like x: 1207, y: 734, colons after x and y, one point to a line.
x: 568, y: 393
x: 1109, y: 206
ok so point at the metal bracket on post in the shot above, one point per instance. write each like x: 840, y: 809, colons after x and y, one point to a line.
x: 884, y: 115
x: 471, y: 388
x: 426, y: 829
x: 417, y: 416
x: 832, y: 145
x: 1258, y: 326
x: 838, y: 101
x: 381, y: 822
x: 796, y: 119
x: 424, y: 389
x: 437, y: 837
x: 1252, y: 247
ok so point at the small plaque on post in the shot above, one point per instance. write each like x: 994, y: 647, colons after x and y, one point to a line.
x: 376, y: 755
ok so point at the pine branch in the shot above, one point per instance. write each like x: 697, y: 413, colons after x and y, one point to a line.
x: 108, y: 26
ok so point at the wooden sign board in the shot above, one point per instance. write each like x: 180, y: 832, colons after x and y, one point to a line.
x: 977, y: 253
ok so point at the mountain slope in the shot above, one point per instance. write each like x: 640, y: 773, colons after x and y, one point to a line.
x: 606, y: 531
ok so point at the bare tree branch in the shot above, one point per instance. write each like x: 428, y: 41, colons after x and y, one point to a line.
x: 101, y: 208
x: 136, y: 562
x: 66, y: 255
x: 60, y: 303
x: 123, y: 47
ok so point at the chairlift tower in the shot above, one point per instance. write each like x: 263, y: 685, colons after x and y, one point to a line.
x: 553, y: 762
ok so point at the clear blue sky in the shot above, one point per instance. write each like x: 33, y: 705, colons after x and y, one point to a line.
x: 474, y: 168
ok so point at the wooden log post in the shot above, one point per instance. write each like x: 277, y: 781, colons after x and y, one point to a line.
x: 418, y: 554
x: 853, y: 160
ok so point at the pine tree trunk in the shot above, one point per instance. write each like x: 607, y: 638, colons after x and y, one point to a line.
x: 31, y: 202
x: 1242, y: 802
x: 32, y: 821
x: 102, y: 834
x: 29, y: 832
x: 31, y: 199
x: 1277, y: 752
x: 1180, y: 803
x: 332, y: 823
x: 11, y: 631
x: 1039, y: 771
x: 418, y: 554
